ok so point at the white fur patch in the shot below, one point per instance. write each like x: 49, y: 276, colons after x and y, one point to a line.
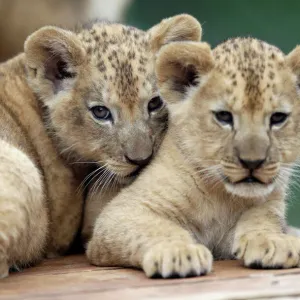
x: 247, y: 190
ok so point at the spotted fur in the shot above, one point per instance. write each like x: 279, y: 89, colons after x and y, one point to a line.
x: 111, y: 65
x: 50, y: 138
x: 217, y: 186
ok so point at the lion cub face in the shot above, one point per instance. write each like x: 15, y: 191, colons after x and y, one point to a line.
x: 236, y: 111
x: 99, y: 88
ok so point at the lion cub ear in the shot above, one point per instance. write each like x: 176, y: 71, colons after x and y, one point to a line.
x: 293, y: 60
x: 178, y: 28
x: 181, y: 66
x: 52, y: 57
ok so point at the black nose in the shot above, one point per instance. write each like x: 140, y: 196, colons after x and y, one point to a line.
x: 252, y: 164
x: 139, y: 162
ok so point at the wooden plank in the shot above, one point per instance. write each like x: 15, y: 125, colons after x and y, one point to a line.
x: 73, y: 278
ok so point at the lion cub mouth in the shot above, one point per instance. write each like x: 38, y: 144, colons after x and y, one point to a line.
x: 250, y: 179
x: 249, y: 186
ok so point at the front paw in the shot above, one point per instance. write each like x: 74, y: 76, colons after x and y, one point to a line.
x: 173, y: 260
x: 268, y: 250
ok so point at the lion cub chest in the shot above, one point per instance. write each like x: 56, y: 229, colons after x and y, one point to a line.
x: 213, y: 224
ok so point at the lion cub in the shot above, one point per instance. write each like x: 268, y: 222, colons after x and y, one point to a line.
x: 217, y: 186
x: 86, y: 96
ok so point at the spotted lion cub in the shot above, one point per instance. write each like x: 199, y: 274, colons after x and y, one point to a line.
x: 217, y: 186
x: 87, y: 96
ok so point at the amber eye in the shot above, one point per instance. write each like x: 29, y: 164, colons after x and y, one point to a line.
x: 101, y: 112
x: 278, y: 118
x: 224, y: 117
x: 155, y: 104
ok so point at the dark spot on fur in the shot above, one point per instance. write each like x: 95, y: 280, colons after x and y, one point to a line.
x: 101, y: 66
x: 254, y: 54
x: 290, y: 254
x: 142, y: 70
x: 235, y: 46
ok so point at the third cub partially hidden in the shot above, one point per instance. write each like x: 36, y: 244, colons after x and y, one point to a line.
x: 217, y: 186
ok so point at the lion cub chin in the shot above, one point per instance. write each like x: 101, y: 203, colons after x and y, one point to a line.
x: 216, y: 188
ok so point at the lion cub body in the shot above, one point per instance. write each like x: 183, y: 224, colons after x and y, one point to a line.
x: 217, y: 186
x: 76, y: 101
x: 37, y: 189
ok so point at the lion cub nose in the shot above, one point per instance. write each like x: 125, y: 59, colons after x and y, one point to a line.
x: 251, y: 164
x: 141, y: 162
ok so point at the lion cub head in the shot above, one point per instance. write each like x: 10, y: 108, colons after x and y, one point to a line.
x: 99, y: 90
x: 235, y: 111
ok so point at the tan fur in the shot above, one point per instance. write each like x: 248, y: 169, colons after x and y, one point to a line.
x: 33, y: 178
x: 117, y: 72
x: 190, y: 203
x: 50, y: 139
x: 112, y: 65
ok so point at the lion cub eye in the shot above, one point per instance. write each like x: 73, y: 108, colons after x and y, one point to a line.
x: 278, y: 118
x: 155, y: 104
x: 101, y: 112
x: 224, y: 117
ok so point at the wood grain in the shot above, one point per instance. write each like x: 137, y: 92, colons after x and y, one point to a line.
x: 73, y: 278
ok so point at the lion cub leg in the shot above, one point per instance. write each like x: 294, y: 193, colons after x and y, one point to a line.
x: 23, y: 217
x: 134, y: 235
x: 259, y: 239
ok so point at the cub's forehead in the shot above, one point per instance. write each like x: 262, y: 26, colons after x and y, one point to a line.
x: 102, y: 38
x: 121, y: 60
x: 254, y: 72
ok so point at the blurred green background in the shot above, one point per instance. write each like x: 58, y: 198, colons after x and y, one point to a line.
x: 277, y: 22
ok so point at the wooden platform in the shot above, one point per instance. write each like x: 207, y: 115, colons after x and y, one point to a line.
x: 73, y: 278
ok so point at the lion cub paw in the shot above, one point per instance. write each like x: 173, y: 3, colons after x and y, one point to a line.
x: 174, y: 260
x: 269, y: 251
